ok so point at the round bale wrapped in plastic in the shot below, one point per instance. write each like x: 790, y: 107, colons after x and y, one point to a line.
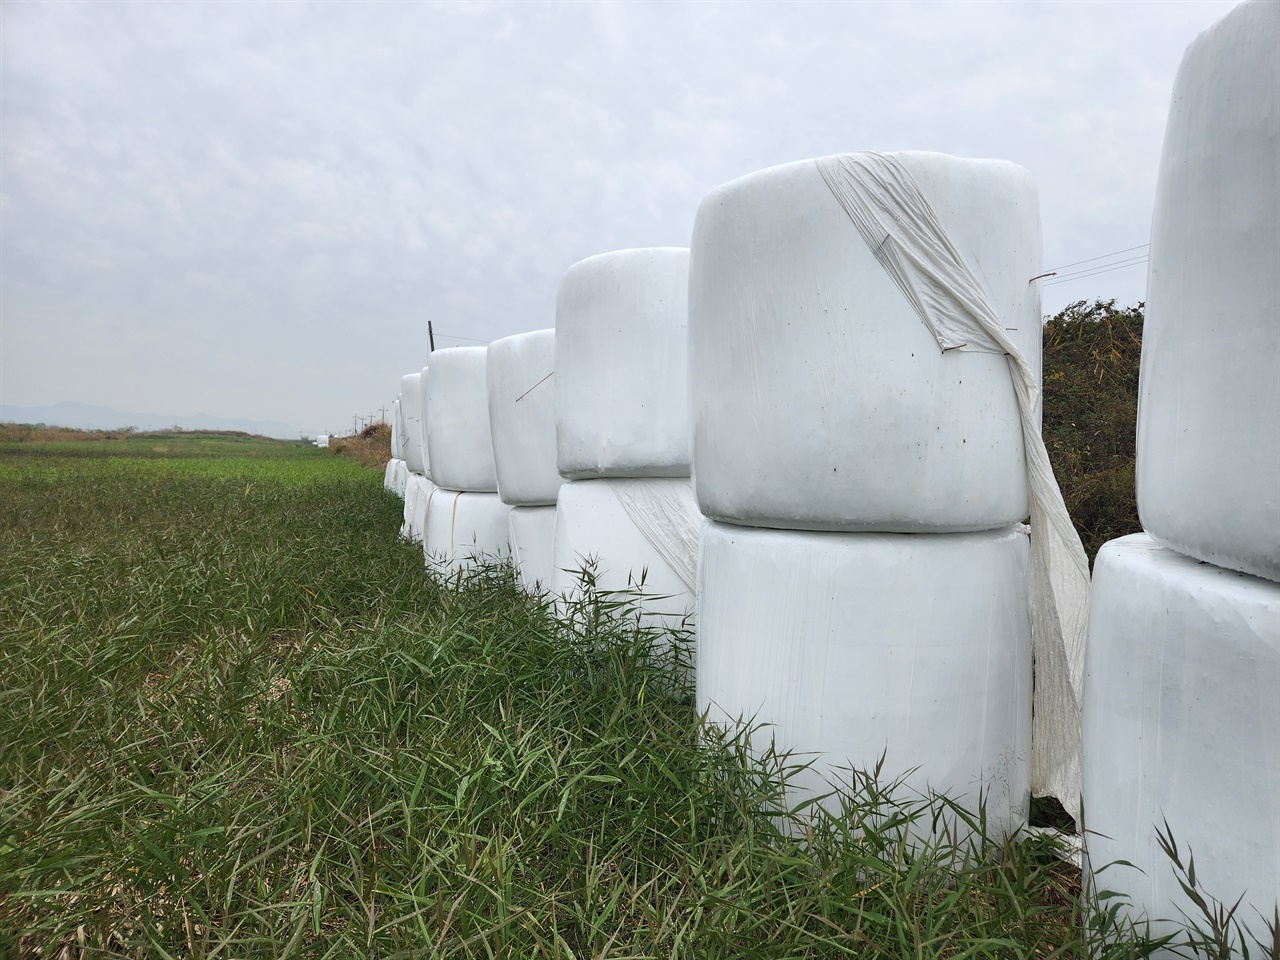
x: 850, y: 647
x: 1181, y: 724
x: 522, y: 417
x: 389, y: 475
x: 466, y: 528
x: 820, y: 399
x: 410, y: 414
x: 416, y: 497
x: 636, y: 539
x: 533, y: 545
x: 457, y: 409
x: 1208, y: 472
x: 401, y: 478
x: 396, y: 429
x: 621, y: 383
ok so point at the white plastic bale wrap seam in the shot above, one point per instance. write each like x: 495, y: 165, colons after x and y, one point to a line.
x: 522, y: 417
x: 1208, y: 470
x: 463, y: 528
x: 533, y: 545
x: 851, y: 645
x: 819, y: 399
x: 410, y: 406
x: 886, y: 204
x: 631, y: 527
x: 457, y: 408
x: 1182, y: 724
x: 621, y: 383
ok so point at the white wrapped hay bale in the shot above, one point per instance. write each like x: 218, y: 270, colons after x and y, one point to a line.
x: 641, y: 535
x: 851, y: 646
x: 417, y: 495
x: 522, y: 417
x: 1182, y: 724
x: 322, y: 440
x: 457, y: 409
x: 621, y: 380
x: 396, y: 430
x: 389, y: 475
x: 463, y: 528
x: 533, y: 543
x: 401, y: 478
x: 1208, y: 472
x: 820, y: 399
x: 410, y: 414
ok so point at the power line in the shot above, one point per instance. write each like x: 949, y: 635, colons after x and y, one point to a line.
x: 455, y: 337
x: 1093, y: 273
x: 1102, y: 257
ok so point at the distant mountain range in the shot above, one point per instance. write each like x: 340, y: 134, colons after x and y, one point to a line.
x: 87, y: 416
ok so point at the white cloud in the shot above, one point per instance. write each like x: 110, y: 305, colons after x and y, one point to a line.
x: 246, y: 208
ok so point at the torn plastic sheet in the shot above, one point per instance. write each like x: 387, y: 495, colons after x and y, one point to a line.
x: 885, y: 203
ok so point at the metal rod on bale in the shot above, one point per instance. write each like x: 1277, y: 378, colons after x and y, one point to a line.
x: 431, y: 338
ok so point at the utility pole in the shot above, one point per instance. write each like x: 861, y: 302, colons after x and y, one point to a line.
x: 431, y: 338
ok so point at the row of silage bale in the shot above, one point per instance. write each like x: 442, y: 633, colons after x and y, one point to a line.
x: 1182, y: 696
x: 627, y: 515
x: 466, y: 520
x: 863, y: 579
x: 522, y: 423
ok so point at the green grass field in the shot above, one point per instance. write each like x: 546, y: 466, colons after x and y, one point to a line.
x: 239, y: 718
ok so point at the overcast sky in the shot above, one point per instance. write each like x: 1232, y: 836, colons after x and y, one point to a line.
x: 252, y: 209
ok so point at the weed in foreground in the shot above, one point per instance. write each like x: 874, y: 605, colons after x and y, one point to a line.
x: 240, y: 718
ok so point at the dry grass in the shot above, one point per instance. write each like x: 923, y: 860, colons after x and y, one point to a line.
x: 371, y: 447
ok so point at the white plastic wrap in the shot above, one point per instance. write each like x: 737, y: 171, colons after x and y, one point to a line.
x: 322, y: 440
x: 1182, y: 724
x: 853, y: 645
x: 820, y: 400
x: 522, y: 417
x: 457, y: 408
x: 416, y: 496
x: 1208, y: 472
x: 464, y: 527
x: 401, y: 478
x: 633, y: 529
x: 395, y: 430
x: 621, y: 383
x: 533, y: 545
x: 931, y: 297
x: 410, y: 416
x: 389, y: 475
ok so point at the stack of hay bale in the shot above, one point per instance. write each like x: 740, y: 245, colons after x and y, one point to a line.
x: 417, y: 489
x: 1182, y: 683
x: 466, y: 520
x: 622, y: 431
x: 863, y: 580
x: 522, y: 421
